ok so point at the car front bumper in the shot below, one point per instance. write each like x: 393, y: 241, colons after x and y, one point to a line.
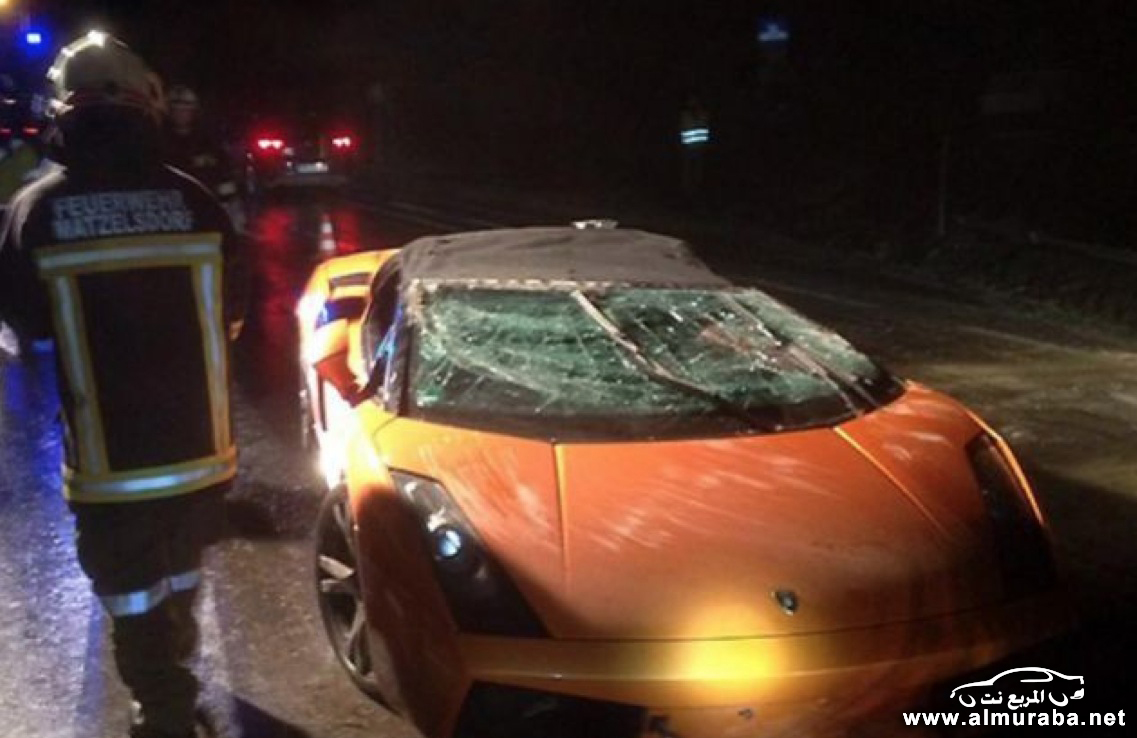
x: 774, y: 685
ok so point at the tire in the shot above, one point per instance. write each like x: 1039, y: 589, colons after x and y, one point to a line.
x: 338, y: 591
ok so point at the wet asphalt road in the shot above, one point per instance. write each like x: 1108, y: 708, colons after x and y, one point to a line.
x: 1063, y: 392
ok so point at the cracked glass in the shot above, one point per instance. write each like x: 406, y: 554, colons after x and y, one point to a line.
x: 629, y: 353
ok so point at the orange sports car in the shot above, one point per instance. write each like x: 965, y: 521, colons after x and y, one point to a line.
x: 581, y: 485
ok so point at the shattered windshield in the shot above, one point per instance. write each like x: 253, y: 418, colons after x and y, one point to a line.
x: 632, y: 354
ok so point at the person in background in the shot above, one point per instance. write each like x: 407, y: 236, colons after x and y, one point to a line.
x: 694, y: 139
x: 21, y: 153
x: 190, y: 147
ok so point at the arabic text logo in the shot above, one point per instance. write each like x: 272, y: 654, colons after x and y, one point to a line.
x: 1022, y: 688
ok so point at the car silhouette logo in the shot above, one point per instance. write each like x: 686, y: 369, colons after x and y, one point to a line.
x: 1022, y: 687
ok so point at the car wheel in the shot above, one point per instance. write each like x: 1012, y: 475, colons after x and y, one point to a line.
x: 338, y: 590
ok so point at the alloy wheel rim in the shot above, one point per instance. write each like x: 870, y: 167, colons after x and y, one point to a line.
x: 340, y: 596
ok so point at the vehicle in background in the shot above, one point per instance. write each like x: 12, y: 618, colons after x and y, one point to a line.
x: 301, y: 151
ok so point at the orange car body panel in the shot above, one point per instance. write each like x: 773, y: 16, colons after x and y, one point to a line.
x: 331, y: 356
x: 507, y: 483
x: 652, y: 565
x: 708, y: 530
x: 343, y: 277
x: 810, y: 680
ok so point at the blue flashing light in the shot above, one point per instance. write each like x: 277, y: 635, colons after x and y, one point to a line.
x: 33, y: 38
x: 773, y: 32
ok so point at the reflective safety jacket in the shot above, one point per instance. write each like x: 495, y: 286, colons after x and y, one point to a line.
x: 134, y: 279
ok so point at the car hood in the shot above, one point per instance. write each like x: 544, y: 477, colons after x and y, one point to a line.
x: 871, y: 522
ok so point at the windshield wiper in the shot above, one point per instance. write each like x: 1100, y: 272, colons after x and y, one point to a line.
x: 840, y: 381
x: 662, y: 374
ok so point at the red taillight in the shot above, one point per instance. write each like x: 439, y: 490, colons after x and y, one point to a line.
x: 342, y: 142
x: 270, y: 144
x: 31, y: 131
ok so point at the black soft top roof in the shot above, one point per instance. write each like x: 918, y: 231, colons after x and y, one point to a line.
x: 556, y: 255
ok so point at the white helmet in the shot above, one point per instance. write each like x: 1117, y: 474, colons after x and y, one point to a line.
x: 98, y: 69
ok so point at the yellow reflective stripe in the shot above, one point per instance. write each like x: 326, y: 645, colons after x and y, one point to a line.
x: 228, y: 455
x: 61, y: 263
x: 104, y: 260
x: 72, y: 335
x: 219, y: 331
x: 113, y: 254
x: 153, y: 481
x: 207, y: 287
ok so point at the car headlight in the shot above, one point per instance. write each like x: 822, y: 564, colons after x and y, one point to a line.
x: 1004, y: 497
x: 1026, y: 562
x: 480, y: 594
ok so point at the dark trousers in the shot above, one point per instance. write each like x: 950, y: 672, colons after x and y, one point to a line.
x: 144, y: 562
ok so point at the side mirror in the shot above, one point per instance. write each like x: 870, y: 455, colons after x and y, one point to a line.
x: 335, y: 371
x: 329, y: 352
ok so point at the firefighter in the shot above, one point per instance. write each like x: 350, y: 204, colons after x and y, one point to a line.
x: 191, y: 148
x: 694, y: 138
x: 132, y: 268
